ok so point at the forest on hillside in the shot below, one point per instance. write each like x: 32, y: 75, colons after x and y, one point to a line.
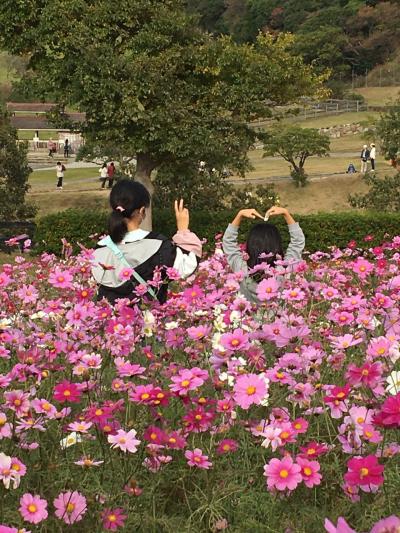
x: 350, y: 37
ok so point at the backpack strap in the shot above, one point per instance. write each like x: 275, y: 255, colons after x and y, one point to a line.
x: 110, y: 244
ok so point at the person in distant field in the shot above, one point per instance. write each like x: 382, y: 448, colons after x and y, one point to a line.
x: 103, y: 175
x: 351, y: 169
x: 110, y: 174
x: 60, y: 169
x: 36, y: 140
x: 52, y: 147
x: 372, y: 155
x: 364, y: 159
x: 66, y: 148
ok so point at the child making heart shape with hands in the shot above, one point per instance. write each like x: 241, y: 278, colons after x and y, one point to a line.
x: 264, y: 245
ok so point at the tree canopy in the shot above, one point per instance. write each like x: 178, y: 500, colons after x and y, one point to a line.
x: 153, y: 83
x: 14, y: 173
x: 295, y: 145
x: 388, y: 133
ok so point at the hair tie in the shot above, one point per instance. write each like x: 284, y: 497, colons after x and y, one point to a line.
x: 119, y: 208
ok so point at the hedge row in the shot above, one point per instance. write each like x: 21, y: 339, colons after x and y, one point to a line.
x: 321, y: 230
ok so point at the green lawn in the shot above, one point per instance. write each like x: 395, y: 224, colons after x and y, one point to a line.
x: 42, y: 178
x: 27, y: 135
x: 336, y: 120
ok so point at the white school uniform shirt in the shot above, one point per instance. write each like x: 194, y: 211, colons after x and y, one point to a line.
x: 60, y: 172
x: 372, y: 153
x: 103, y: 172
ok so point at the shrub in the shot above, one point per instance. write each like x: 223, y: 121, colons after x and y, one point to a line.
x: 383, y: 194
x: 321, y: 230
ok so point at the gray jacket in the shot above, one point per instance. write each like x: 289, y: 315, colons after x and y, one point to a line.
x: 248, y: 286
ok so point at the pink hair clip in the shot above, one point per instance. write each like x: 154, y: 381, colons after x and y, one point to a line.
x: 119, y: 208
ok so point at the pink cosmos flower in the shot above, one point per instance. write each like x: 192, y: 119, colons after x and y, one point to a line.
x: 249, y: 389
x: 196, y: 458
x: 33, y: 509
x: 113, y: 518
x: 28, y: 294
x: 310, y: 472
x: 364, y: 472
x: 391, y: 524
x: 188, y: 380
x: 70, y: 506
x: 271, y: 437
x: 282, y: 474
x: 67, y: 392
x: 236, y: 341
x: 267, y: 289
x: 18, y: 401
x: 62, y: 279
x: 227, y: 446
x: 362, y: 267
x: 342, y: 526
x: 125, y: 441
x: 125, y: 274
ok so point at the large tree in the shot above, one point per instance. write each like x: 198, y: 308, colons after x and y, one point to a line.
x: 388, y: 132
x: 152, y: 82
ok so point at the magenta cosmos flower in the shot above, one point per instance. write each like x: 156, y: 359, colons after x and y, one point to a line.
x: 33, y: 509
x: 124, y: 440
x: 249, y: 389
x: 389, y: 415
x: 342, y: 526
x: 67, y: 392
x: 391, y: 524
x: 62, y: 279
x: 364, y: 472
x: 70, y: 507
x: 196, y: 458
x: 282, y: 474
x: 113, y: 518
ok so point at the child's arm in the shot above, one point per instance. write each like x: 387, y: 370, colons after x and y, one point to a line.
x: 230, y: 244
x: 297, y: 240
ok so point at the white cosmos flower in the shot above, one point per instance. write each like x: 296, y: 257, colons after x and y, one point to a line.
x: 393, y: 381
x: 70, y: 440
x: 171, y: 325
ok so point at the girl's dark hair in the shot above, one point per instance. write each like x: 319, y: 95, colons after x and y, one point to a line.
x: 126, y: 197
x: 263, y: 239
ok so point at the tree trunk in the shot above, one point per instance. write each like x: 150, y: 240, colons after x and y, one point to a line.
x: 144, y: 167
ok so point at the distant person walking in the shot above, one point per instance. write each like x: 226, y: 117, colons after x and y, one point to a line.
x: 66, y: 148
x: 36, y: 141
x: 60, y: 169
x: 364, y: 159
x: 110, y: 174
x: 103, y: 175
x: 52, y: 147
x: 372, y: 155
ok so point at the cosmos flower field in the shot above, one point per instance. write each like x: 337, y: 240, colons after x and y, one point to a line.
x: 207, y: 413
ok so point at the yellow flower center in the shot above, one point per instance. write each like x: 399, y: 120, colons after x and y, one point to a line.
x: 307, y: 471
x: 365, y: 372
x: 32, y: 508
x: 251, y: 390
x: 381, y: 351
x: 297, y: 426
x: 198, y: 417
x: 368, y: 434
x: 67, y: 393
x: 17, y: 402
x: 153, y: 436
x: 226, y: 447
x: 311, y: 451
x: 172, y: 440
x: 145, y: 396
x: 112, y: 518
x: 70, y: 507
x: 360, y: 420
x: 122, y: 440
x: 340, y: 395
x: 280, y: 375
x: 185, y: 383
x: 364, y: 472
x: 284, y: 473
x: 284, y: 434
x: 15, y: 467
x: 234, y: 342
x: 197, y: 459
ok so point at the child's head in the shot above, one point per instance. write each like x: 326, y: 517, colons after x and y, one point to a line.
x: 263, y: 238
x: 128, y: 199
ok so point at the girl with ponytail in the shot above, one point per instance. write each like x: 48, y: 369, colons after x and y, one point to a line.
x: 130, y: 248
